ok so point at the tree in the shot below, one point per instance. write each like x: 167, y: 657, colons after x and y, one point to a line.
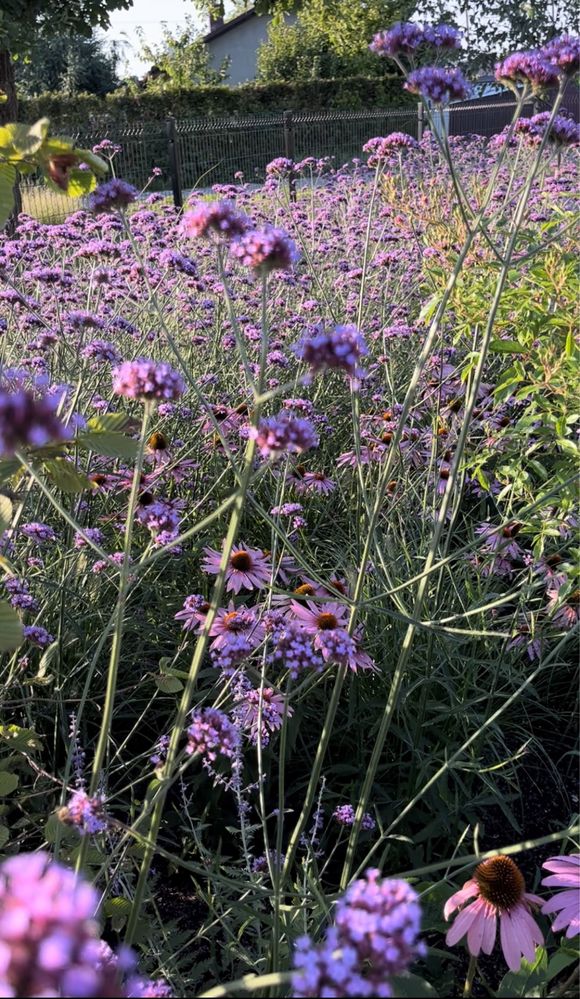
x: 23, y: 22
x: 69, y: 65
x: 329, y: 38
x: 181, y: 60
x: 497, y: 27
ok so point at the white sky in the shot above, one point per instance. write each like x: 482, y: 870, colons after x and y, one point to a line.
x: 150, y: 15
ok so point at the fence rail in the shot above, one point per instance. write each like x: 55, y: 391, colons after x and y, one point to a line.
x: 198, y: 152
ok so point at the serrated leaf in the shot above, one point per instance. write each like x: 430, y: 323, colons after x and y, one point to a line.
x: 9, y: 466
x: 93, y: 161
x: 4, y: 836
x: 11, y: 634
x: 8, y: 783
x: 5, y: 512
x: 106, y: 422
x: 110, y: 444
x: 7, y: 182
x: 168, y: 684
x: 80, y: 182
x: 65, y: 476
x: 21, y: 739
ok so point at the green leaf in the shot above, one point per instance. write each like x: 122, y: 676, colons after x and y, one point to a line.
x: 110, y: 444
x: 528, y: 981
x: 118, y: 910
x: 22, y: 739
x: 80, y: 182
x: 65, y: 476
x: 95, y: 162
x: 168, y: 684
x: 8, y: 783
x: 4, y: 836
x: 10, y: 628
x: 412, y: 986
x: 106, y: 422
x: 506, y: 347
x: 9, y: 466
x: 5, y: 512
x: 562, y: 959
x: 27, y: 139
x: 7, y: 182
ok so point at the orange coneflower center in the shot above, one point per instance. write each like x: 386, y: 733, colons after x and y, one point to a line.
x: 231, y: 621
x: 326, y: 621
x: 574, y: 598
x: 241, y: 560
x: 306, y: 590
x: 511, y: 530
x: 337, y: 584
x: 158, y: 441
x: 500, y: 882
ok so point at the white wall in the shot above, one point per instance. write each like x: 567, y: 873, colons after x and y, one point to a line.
x: 241, y: 45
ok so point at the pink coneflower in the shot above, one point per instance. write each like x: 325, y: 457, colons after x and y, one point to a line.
x: 248, y: 568
x: 317, y: 482
x: 233, y: 621
x: 567, y: 611
x: 326, y: 617
x: 565, y: 874
x: 499, y: 890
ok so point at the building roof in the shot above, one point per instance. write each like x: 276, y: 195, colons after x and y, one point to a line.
x: 226, y: 26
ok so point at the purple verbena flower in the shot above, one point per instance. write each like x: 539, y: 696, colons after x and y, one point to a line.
x: 266, y: 250
x: 341, y: 349
x: 403, y: 38
x: 28, y: 420
x: 146, y: 380
x: 86, y: 812
x: 437, y: 84
x: 111, y: 195
x: 221, y: 217
x: 284, y: 434
x: 211, y: 733
x: 528, y: 68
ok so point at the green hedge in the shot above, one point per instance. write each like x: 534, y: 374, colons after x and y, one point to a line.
x: 354, y: 93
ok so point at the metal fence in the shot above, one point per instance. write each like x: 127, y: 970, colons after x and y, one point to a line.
x: 198, y: 152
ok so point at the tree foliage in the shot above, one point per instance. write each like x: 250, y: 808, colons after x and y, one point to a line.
x: 181, y: 60
x: 497, y: 27
x: 329, y: 38
x: 68, y: 65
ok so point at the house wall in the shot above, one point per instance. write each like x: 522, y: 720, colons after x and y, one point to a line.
x: 241, y: 45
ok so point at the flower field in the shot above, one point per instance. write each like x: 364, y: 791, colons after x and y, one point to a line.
x: 289, y: 573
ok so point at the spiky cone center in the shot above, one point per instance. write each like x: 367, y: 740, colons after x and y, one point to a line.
x: 241, y: 561
x: 500, y: 882
x: 326, y: 621
x: 158, y: 441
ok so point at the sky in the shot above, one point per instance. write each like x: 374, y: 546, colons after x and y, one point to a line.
x: 150, y: 15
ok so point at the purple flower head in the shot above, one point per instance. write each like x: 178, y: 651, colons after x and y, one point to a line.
x: 563, y: 52
x: 563, y: 131
x: 107, y: 148
x: 145, y: 380
x: 437, y: 84
x: 211, y: 733
x: 101, y: 350
x: 41, y: 533
x: 111, y: 195
x: 50, y: 944
x: 280, y: 167
x: 20, y: 596
x: 294, y: 649
x: 86, y: 813
x: 28, y: 420
x: 284, y: 434
x: 404, y: 38
x: 342, y: 349
x: 221, y: 217
x: 336, y: 646
x: 442, y: 36
x: 528, y: 68
x: 381, y: 920
x: 381, y: 148
x: 345, y: 816
x: 38, y: 635
x: 94, y: 533
x: 266, y: 250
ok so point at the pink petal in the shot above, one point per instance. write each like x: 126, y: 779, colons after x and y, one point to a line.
x: 574, y: 927
x: 531, y: 934
x: 533, y: 898
x: 470, y: 888
x: 476, y: 932
x: 562, y: 900
x: 564, y: 865
x: 489, y: 929
x: 565, y: 879
x: 462, y: 923
x: 565, y: 918
x: 509, y: 944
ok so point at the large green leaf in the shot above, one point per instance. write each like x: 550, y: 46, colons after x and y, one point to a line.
x: 24, y: 740
x: 27, y: 139
x: 8, y: 783
x: 103, y: 422
x: 529, y: 980
x: 5, y: 512
x: 10, y: 628
x: 80, y: 182
x: 7, y: 182
x: 65, y: 476
x: 110, y: 444
x: 412, y: 985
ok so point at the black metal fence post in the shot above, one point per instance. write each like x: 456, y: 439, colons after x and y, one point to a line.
x: 420, y: 120
x: 289, y: 151
x: 174, y: 161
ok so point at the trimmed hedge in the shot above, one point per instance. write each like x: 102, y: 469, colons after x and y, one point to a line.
x: 87, y: 110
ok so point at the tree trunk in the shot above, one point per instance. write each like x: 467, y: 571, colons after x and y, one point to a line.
x: 9, y: 113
